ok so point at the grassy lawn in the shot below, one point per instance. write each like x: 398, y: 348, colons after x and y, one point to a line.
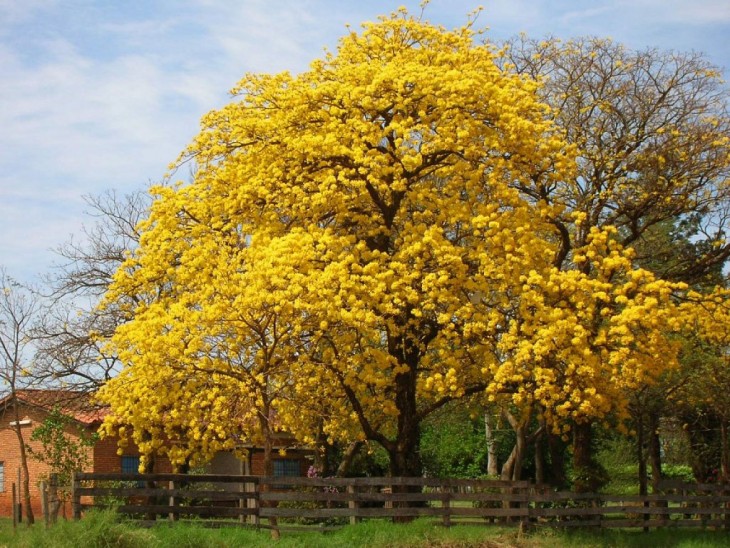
x: 104, y: 530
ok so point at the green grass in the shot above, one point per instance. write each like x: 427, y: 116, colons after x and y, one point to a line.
x: 103, y: 529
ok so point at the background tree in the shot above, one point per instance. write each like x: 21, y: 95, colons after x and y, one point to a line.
x: 70, y: 332
x: 18, y: 309
x: 652, y: 132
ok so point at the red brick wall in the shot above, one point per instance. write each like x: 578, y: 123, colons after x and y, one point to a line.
x: 104, y: 457
x: 108, y: 459
x: 10, y: 457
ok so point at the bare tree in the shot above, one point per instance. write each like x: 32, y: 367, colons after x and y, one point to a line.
x: 18, y: 310
x: 70, y: 335
x: 652, y: 132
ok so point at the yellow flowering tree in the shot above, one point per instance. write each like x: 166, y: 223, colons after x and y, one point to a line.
x: 352, y: 241
x: 579, y: 342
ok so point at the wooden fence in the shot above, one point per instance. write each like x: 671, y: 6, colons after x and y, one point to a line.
x: 289, y: 502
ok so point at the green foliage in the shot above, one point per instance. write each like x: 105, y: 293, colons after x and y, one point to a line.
x: 63, y: 453
x: 370, y: 461
x: 617, y: 455
x: 681, y: 472
x: 454, y: 445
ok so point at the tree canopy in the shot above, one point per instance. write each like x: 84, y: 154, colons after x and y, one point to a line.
x: 397, y: 227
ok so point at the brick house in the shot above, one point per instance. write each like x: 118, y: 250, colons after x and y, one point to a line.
x: 35, y: 405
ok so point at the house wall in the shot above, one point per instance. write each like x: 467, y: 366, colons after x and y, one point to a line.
x: 11, y: 459
x: 226, y: 462
x: 103, y: 457
x: 108, y: 458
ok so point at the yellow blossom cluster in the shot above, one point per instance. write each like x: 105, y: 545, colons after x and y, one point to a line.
x: 583, y: 338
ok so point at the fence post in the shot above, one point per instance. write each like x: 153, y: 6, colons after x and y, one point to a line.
x: 446, y: 504
x: 172, y: 516
x: 54, y: 503
x: 20, y: 499
x: 242, y: 501
x: 15, y: 507
x: 43, y: 486
x: 353, y: 504
x: 75, y: 496
x: 525, y: 507
x: 253, y: 501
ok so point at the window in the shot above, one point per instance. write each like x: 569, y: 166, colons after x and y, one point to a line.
x: 130, y: 465
x: 286, y: 467
x: 2, y: 477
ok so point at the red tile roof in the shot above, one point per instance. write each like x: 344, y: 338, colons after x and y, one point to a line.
x: 75, y: 404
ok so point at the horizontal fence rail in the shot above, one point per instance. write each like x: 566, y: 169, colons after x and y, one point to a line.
x: 292, y: 502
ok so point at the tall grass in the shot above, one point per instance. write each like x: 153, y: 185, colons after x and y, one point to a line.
x: 103, y: 529
x: 100, y: 529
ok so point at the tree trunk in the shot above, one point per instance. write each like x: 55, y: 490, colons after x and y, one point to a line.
x: 405, y: 459
x: 582, y: 438
x: 724, y: 451
x: 492, y: 465
x: 512, y: 468
x: 344, y: 467
x: 556, y: 449
x: 25, y: 480
x: 405, y: 455
x: 149, y: 468
x: 654, y: 449
x: 640, y: 454
x: 323, y: 454
x: 269, y: 464
x: 589, y: 475
x: 539, y: 459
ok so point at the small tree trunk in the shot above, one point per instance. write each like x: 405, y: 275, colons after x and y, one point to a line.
x: 149, y: 468
x: 512, y: 468
x: 509, y: 465
x: 725, y: 451
x: 654, y: 449
x: 539, y: 459
x: 640, y: 454
x: 492, y: 465
x: 25, y: 479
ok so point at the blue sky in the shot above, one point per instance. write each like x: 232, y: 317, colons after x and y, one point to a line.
x: 104, y: 94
